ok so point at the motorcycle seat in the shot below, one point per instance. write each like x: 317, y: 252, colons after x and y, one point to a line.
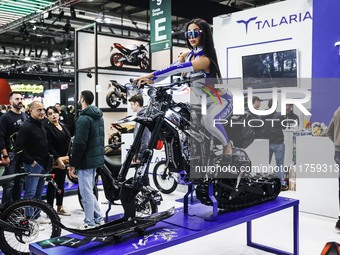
x: 113, y: 166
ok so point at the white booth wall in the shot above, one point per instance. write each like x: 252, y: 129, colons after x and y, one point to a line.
x: 277, y: 32
x: 271, y: 33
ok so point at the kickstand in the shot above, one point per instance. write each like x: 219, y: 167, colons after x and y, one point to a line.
x: 107, y: 212
x: 186, y: 200
x: 192, y: 194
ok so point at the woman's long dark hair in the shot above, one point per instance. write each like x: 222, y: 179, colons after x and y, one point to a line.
x: 208, y: 45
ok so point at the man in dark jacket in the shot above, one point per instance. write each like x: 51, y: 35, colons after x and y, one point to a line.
x: 273, y: 132
x: 291, y: 119
x: 10, y: 122
x: 87, y: 155
x: 136, y: 103
x: 32, y: 149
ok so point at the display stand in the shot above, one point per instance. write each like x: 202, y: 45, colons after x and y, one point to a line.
x: 184, y: 227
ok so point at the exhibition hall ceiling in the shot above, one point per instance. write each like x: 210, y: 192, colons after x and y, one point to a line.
x: 37, y: 36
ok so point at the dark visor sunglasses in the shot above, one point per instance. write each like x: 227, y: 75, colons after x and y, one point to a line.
x: 193, y: 33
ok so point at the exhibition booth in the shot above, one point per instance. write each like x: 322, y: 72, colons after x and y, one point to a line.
x: 287, y: 51
x: 284, y: 32
x: 280, y: 29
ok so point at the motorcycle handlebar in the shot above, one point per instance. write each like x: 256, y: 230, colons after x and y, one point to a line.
x: 178, y: 82
x: 114, y: 145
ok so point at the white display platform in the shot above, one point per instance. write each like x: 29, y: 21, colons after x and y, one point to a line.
x: 316, y: 195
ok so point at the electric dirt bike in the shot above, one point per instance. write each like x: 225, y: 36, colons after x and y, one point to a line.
x: 20, y: 221
x: 137, y: 197
x: 147, y: 200
x: 188, y: 146
x: 135, y: 57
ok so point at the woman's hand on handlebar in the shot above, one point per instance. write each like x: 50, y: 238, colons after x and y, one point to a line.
x: 145, y: 79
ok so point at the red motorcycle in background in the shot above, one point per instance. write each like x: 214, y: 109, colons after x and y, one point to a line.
x: 134, y: 57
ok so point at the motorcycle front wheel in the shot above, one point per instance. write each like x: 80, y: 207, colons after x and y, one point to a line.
x: 163, y: 178
x: 112, y: 100
x: 144, y: 63
x: 40, y: 219
x: 145, y: 209
x: 114, y: 60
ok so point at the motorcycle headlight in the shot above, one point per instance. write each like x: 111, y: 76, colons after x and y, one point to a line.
x: 152, y: 93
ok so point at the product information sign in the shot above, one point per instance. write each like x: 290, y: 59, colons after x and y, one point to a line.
x: 160, y: 25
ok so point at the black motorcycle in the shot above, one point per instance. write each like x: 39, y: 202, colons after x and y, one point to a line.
x: 116, y: 96
x: 140, y: 204
x: 188, y: 145
x: 136, y: 57
x: 147, y: 200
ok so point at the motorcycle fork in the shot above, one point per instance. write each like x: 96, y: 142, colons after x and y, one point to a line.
x: 131, y: 153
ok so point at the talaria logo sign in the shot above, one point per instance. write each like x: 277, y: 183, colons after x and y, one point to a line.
x: 254, y: 23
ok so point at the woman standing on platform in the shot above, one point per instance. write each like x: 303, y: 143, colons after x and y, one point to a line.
x: 59, y: 144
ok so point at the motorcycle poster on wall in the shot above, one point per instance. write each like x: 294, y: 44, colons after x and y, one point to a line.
x: 136, y: 55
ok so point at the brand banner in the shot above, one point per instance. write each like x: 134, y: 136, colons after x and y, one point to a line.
x: 160, y: 25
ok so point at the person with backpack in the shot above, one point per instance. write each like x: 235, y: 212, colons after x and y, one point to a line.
x: 10, y: 122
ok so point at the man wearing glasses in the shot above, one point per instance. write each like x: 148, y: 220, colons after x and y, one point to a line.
x: 10, y: 123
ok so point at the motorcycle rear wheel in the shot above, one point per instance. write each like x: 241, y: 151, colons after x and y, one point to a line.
x: 111, y: 100
x: 11, y: 243
x: 114, y: 60
x: 144, y: 63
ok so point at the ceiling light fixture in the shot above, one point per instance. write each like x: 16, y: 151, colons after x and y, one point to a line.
x: 89, y: 74
x: 61, y: 15
x: 67, y: 26
x: 47, y: 15
x: 68, y: 45
x: 73, y: 13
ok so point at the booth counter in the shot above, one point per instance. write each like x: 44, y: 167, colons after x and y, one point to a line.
x: 316, y: 189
